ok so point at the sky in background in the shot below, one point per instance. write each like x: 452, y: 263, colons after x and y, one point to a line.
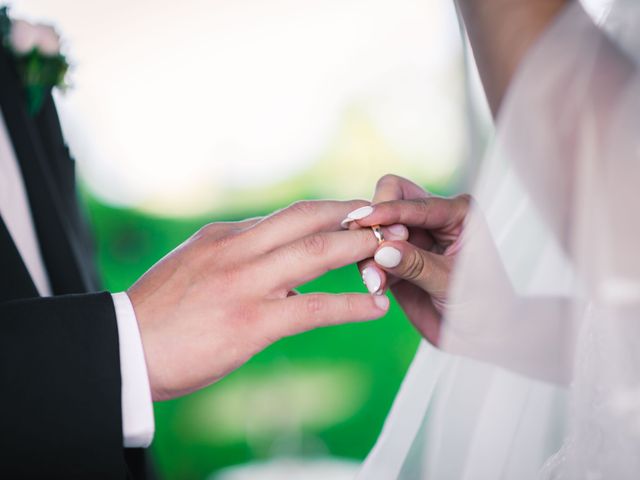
x: 176, y: 105
x: 180, y: 108
x: 183, y: 107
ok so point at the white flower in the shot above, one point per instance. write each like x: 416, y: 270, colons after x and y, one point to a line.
x: 48, y: 40
x: 25, y: 36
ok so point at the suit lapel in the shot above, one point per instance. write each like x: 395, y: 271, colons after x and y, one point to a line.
x: 59, y: 248
x: 60, y: 161
x: 15, y: 281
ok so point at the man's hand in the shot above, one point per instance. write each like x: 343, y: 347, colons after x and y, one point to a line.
x: 417, y: 271
x: 225, y: 293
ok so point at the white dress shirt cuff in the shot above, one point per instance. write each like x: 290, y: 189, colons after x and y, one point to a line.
x: 138, y: 425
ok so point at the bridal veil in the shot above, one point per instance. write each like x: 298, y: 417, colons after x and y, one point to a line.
x: 541, y: 378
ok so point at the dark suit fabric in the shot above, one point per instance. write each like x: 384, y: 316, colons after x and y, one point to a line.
x: 60, y: 392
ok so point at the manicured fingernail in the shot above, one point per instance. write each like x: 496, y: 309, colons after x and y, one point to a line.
x: 372, y: 280
x: 357, y: 214
x: 388, y: 257
x: 398, y: 231
x: 382, y: 302
x: 360, y: 213
x: 345, y: 223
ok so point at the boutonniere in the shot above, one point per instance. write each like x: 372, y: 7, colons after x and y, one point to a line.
x: 36, y: 52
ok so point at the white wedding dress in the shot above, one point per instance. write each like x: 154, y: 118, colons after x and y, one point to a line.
x: 543, y: 328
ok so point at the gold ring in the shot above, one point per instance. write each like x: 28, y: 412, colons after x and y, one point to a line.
x: 377, y: 231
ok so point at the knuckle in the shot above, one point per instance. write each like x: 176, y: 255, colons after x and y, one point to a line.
x: 314, y: 305
x: 244, y: 314
x: 350, y: 306
x: 423, y: 204
x: 222, y: 242
x: 217, y: 235
x: 304, y: 207
x: 207, y: 231
x: 229, y: 276
x: 415, y: 267
x: 315, y: 245
x: 423, y: 207
x: 419, y: 209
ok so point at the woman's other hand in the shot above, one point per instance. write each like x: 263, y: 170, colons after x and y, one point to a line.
x: 417, y: 271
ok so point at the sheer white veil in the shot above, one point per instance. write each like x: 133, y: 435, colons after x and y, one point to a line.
x: 542, y: 378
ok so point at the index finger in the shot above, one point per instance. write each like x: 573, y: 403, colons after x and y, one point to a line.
x: 427, y: 213
x: 389, y: 187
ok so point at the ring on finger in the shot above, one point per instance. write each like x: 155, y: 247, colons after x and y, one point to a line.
x: 377, y: 232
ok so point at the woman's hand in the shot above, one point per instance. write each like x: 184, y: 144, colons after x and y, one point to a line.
x: 482, y: 324
x: 225, y: 293
x: 418, y: 270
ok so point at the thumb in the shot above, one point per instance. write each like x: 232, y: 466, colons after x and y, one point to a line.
x: 427, y: 270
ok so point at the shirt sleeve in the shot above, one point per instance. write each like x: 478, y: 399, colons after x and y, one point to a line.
x: 138, y: 425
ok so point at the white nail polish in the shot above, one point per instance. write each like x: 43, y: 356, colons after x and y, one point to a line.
x: 372, y: 280
x: 345, y: 223
x: 360, y: 213
x: 357, y: 214
x: 388, y: 257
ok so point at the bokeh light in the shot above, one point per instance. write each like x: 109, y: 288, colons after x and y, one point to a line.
x: 186, y: 112
x: 180, y: 107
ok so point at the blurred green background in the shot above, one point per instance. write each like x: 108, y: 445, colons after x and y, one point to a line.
x: 184, y: 113
x: 323, y: 393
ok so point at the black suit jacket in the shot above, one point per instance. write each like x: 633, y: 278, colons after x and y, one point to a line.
x: 60, y: 403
